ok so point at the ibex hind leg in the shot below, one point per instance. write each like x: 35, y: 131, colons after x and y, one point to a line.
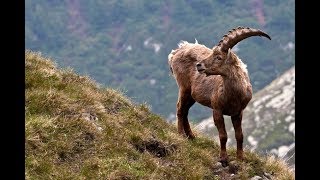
x: 185, y: 101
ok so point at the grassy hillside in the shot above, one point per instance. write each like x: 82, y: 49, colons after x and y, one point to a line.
x: 78, y: 130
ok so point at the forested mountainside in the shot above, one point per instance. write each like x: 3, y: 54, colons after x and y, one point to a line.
x: 125, y: 44
x: 268, y: 121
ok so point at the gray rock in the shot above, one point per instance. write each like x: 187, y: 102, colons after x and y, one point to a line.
x: 256, y: 178
x: 218, y: 165
x: 267, y: 175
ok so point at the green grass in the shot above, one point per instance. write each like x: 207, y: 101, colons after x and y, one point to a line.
x: 78, y: 130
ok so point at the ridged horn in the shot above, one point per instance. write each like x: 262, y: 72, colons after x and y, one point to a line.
x: 238, y: 34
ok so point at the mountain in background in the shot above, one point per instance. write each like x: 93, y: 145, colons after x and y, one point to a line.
x: 125, y: 44
x: 268, y: 121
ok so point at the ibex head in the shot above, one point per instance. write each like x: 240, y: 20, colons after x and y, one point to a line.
x: 221, y: 58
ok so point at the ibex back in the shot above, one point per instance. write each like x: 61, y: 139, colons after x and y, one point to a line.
x: 215, y: 78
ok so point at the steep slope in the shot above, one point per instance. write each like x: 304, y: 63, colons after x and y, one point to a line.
x: 269, y: 119
x: 78, y: 130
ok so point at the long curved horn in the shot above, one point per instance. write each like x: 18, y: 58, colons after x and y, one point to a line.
x: 238, y: 34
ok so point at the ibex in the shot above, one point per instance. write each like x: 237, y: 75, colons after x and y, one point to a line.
x: 215, y: 78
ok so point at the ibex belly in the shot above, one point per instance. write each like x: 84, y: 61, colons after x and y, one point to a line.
x: 234, y: 106
x: 203, y: 87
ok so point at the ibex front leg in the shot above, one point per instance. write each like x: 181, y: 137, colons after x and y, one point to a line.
x: 185, y: 101
x: 236, y: 121
x: 219, y: 122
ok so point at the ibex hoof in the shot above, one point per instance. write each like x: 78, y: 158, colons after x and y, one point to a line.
x: 224, y: 162
x: 191, y: 136
x: 240, y: 157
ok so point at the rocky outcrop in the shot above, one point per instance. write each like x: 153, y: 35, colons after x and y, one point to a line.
x: 268, y: 121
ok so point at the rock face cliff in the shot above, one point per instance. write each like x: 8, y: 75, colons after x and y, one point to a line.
x: 268, y: 121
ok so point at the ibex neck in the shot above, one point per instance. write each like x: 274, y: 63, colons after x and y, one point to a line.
x: 236, y: 81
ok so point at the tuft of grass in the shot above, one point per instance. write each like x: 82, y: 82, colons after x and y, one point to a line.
x: 76, y: 129
x: 279, y: 168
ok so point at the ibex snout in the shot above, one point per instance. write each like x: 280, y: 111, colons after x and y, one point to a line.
x: 200, y: 67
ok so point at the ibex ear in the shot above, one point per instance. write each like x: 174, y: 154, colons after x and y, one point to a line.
x: 229, y: 58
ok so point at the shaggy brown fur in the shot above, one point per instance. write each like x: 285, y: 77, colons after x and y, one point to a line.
x: 215, y: 78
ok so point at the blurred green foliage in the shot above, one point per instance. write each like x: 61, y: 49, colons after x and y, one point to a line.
x: 115, y: 41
